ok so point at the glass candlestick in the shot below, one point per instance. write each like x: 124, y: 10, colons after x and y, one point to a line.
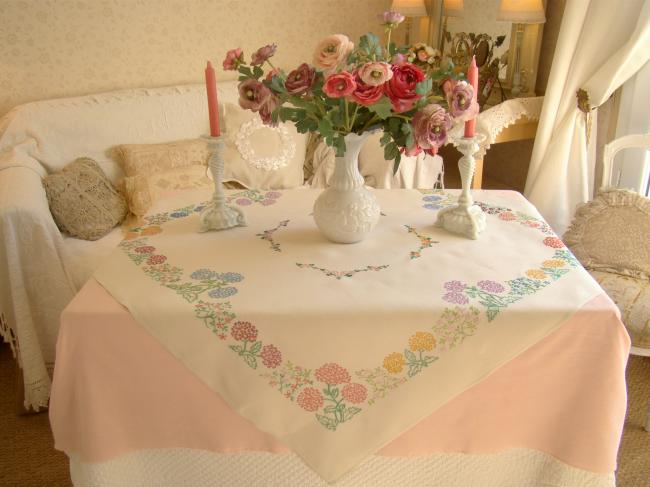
x: 217, y: 215
x: 465, y: 218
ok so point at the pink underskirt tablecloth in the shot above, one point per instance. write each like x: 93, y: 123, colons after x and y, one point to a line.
x: 116, y: 390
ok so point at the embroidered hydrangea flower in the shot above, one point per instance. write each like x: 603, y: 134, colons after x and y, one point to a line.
x: 422, y: 342
x: 273, y: 194
x: 271, y: 356
x: 230, y: 277
x: 310, y: 399
x: 455, y: 286
x: 354, y: 393
x: 332, y: 374
x: 394, y: 363
x: 553, y: 263
x: 536, y: 274
x: 202, y: 274
x: 156, y: 259
x: 456, y: 298
x: 532, y: 223
x: 243, y: 202
x: 507, y: 216
x: 222, y: 292
x: 554, y: 242
x: 491, y: 286
x: 243, y: 331
x: 146, y: 249
x: 267, y: 202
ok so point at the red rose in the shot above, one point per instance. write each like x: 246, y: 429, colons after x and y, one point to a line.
x: 366, y: 94
x: 401, y: 87
x: 339, y: 85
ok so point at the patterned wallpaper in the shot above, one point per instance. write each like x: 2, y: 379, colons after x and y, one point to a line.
x: 57, y: 48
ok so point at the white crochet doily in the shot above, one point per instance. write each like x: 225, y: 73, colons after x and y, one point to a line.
x: 245, y: 148
x: 491, y: 122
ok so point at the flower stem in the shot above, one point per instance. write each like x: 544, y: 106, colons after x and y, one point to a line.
x: 347, y: 116
x: 388, y: 45
x: 270, y: 64
x: 354, y: 115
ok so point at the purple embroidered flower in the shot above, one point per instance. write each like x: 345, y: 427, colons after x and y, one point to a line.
x: 178, y: 214
x: 491, y: 286
x: 230, y: 277
x: 243, y: 201
x: 432, y: 206
x: 267, y: 202
x: 456, y: 298
x: 432, y: 197
x: 201, y: 274
x: 455, y: 286
x: 273, y: 194
x: 222, y: 292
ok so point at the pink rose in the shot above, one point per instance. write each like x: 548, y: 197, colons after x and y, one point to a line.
x: 300, y: 80
x: 366, y: 94
x: 401, y: 87
x: 253, y: 94
x: 233, y: 59
x: 339, y: 85
x: 391, y: 19
x: 332, y: 51
x: 399, y: 58
x: 430, y: 126
x: 263, y: 53
x: 375, y: 74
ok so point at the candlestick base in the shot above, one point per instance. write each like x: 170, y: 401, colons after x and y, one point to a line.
x: 465, y: 218
x: 217, y: 215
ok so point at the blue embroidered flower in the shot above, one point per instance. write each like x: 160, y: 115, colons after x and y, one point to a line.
x: 202, y: 274
x: 179, y: 214
x: 230, y: 277
x: 432, y: 206
x: 199, y: 208
x: 432, y: 197
x: 524, y: 285
x: 222, y: 292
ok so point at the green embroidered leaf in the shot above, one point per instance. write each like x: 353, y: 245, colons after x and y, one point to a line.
x: 329, y: 423
x: 414, y: 369
x: 382, y: 108
x: 334, y: 393
x: 429, y: 360
x: 410, y: 356
x: 251, y: 361
x: 492, y: 313
x: 330, y: 410
x: 257, y: 346
x: 237, y: 348
x: 350, y: 412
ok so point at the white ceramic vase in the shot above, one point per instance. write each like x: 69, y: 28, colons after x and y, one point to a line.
x: 347, y: 211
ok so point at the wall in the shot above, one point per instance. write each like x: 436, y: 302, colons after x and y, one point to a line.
x: 57, y: 48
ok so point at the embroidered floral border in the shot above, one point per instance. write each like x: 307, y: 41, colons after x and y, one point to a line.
x: 331, y: 392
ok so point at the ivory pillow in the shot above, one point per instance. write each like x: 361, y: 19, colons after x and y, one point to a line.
x: 262, y: 157
x: 152, y: 170
x: 82, y: 200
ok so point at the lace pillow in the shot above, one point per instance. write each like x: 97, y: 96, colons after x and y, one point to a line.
x: 262, y: 157
x: 153, y: 170
x: 610, y: 233
x: 82, y: 200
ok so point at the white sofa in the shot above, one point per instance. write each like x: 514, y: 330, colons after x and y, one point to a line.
x: 40, y: 268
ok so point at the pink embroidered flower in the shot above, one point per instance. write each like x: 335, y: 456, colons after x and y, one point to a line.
x: 146, y: 249
x: 456, y: 298
x: 310, y: 399
x: 554, y: 242
x: 354, y: 393
x: 332, y: 52
x: 243, y: 201
x: 263, y: 54
x: 267, y: 202
x: 243, y: 331
x: 532, y: 224
x: 491, y: 286
x: 271, y: 356
x: 455, y: 286
x: 156, y: 259
x: 332, y: 374
x: 507, y: 216
x: 339, y: 85
x: 375, y: 73
x: 233, y: 59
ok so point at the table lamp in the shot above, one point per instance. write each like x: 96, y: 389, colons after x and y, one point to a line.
x: 450, y: 8
x: 409, y: 8
x: 520, y: 12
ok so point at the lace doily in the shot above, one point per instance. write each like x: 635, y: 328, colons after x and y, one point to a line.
x: 491, y: 122
x: 245, y: 148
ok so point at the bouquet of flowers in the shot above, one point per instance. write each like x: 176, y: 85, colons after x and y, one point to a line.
x: 410, y: 93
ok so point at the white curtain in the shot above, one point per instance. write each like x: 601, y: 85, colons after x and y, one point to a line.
x: 600, y: 45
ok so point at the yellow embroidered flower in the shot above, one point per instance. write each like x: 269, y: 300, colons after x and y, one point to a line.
x: 536, y: 274
x: 553, y: 263
x: 131, y: 235
x: 422, y: 341
x: 394, y: 363
x: 151, y: 230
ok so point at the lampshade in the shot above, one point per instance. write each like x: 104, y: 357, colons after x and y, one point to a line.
x: 409, y: 8
x: 453, y: 8
x: 522, y: 11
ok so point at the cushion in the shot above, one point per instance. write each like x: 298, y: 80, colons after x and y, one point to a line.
x: 610, y: 233
x: 83, y: 201
x: 153, y: 170
x: 632, y: 296
x: 262, y: 157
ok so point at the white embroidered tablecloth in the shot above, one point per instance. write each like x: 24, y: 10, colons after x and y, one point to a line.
x: 338, y: 349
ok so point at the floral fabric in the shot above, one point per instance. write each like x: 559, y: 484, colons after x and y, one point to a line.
x: 337, y: 349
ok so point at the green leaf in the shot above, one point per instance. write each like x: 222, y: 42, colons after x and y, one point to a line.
x: 334, y: 393
x: 277, y: 85
x: 257, y: 346
x: 237, y: 348
x: 424, y: 87
x: 410, y: 356
x: 246, y: 71
x: 429, y: 360
x: 414, y: 369
x: 329, y: 423
x: 325, y: 127
x: 251, y: 361
x: 397, y: 161
x: 382, y: 108
x: 350, y: 412
x: 391, y: 151
x: 410, y: 140
x: 492, y: 313
x: 258, y: 72
x: 329, y: 410
x: 385, y: 138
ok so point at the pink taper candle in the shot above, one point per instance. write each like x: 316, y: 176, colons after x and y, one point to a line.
x: 472, y: 79
x: 213, y: 110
